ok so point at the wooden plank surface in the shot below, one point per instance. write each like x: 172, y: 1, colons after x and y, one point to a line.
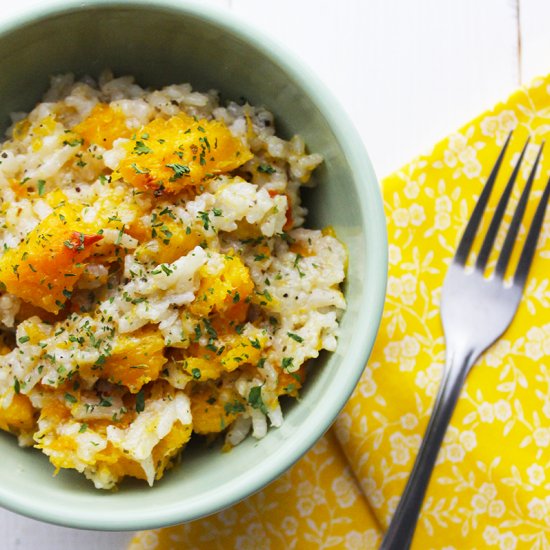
x: 19, y: 533
x: 407, y: 71
x: 534, y: 38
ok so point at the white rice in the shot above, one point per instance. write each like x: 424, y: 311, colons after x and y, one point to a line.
x: 249, y: 217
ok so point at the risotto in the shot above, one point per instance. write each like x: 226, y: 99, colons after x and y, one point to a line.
x: 156, y: 280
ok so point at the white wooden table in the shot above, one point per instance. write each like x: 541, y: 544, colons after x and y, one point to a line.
x: 407, y: 71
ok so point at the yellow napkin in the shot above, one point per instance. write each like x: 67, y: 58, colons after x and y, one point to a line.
x: 491, y: 485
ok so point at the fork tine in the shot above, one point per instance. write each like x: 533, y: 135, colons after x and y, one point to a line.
x: 489, y: 240
x: 467, y: 239
x: 508, y: 246
x: 530, y: 245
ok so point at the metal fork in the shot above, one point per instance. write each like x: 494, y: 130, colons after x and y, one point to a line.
x: 475, y: 312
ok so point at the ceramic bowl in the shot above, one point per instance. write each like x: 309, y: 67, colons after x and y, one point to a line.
x: 164, y: 42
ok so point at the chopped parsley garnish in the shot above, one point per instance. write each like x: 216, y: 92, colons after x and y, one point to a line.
x: 234, y: 407
x: 166, y: 269
x: 253, y: 242
x: 142, y: 149
x: 100, y: 360
x: 255, y: 399
x: 139, y: 170
x: 167, y: 232
x: 41, y: 187
x: 23, y: 339
x: 295, y: 337
x: 74, y: 142
x: 287, y: 238
x: 205, y: 219
x: 296, y: 377
x: 287, y: 362
x: 266, y: 169
x: 140, y: 401
x: 266, y: 295
x: 196, y: 373
x: 297, y: 265
x: 70, y: 398
x: 83, y: 428
x: 211, y: 345
x: 167, y: 212
x: 180, y: 170
x: 255, y: 343
x: 210, y: 330
x: 16, y: 386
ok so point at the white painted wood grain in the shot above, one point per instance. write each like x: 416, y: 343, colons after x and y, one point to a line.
x: 534, y: 38
x: 18, y: 533
x: 9, y: 8
x: 408, y: 72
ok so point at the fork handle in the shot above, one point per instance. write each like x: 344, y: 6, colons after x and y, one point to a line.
x: 401, y: 530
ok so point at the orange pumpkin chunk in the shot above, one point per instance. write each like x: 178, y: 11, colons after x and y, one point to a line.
x: 225, y: 292
x: 136, y: 359
x: 240, y: 350
x: 44, y: 268
x: 170, y: 155
x: 114, y: 463
x: 172, y: 241
x: 19, y: 416
x: 236, y: 350
x: 213, y: 410
x: 102, y: 126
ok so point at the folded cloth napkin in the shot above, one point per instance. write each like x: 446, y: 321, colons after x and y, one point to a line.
x: 491, y: 485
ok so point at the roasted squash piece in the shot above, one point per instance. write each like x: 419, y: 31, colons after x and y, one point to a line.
x: 137, y: 358
x: 288, y: 383
x: 170, y: 155
x: 170, y: 446
x: 234, y: 351
x: 44, y: 268
x: 114, y: 463
x: 171, y: 241
x: 226, y: 292
x: 19, y: 416
x: 213, y: 409
x: 102, y: 126
x: 241, y: 350
x: 202, y: 368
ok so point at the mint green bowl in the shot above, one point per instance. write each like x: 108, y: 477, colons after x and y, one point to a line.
x: 164, y: 42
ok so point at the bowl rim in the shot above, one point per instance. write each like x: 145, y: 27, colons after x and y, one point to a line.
x: 370, y: 202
